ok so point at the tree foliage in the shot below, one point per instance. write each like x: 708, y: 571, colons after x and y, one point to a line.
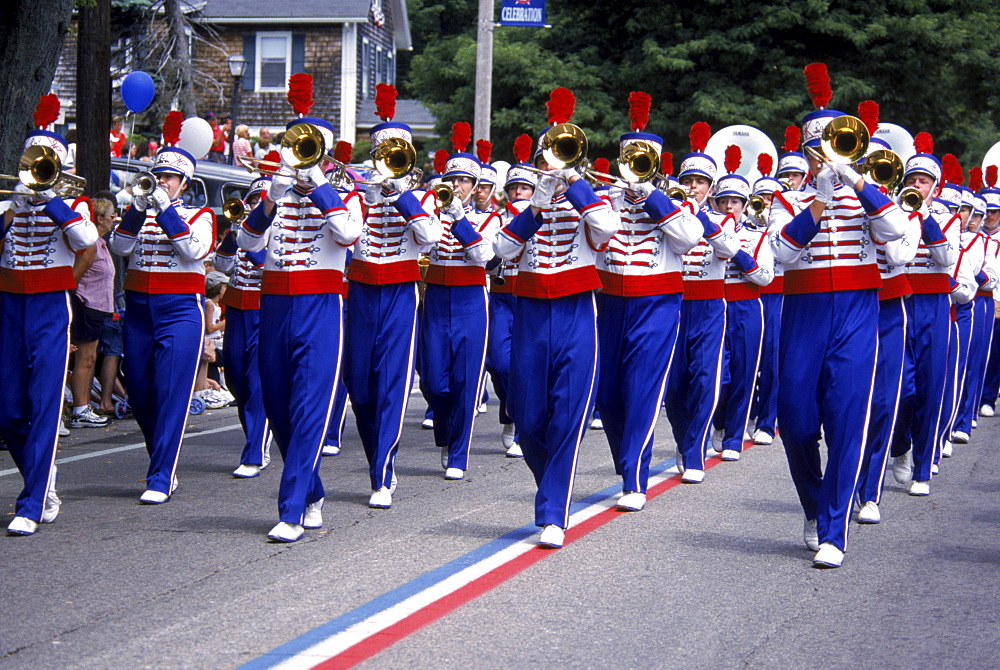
x: 932, y: 65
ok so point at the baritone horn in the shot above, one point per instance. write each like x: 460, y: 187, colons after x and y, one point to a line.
x: 845, y: 140
x: 885, y: 168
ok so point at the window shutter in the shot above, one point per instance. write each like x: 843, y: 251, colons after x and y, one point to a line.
x: 298, y: 53
x: 250, y: 53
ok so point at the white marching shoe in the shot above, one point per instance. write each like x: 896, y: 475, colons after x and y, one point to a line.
x: 920, y: 489
x: 313, y: 518
x: 381, y: 499
x: 631, y: 501
x: 810, y: 535
x: 948, y: 449
x: 986, y: 410
x: 828, y: 556
x: 330, y: 450
x: 902, y: 469
x: 692, y: 476
x: 507, y: 436
x: 247, y: 471
x: 730, y: 455
x: 286, y: 532
x: 52, y: 505
x: 762, y: 437
x: 515, y: 451
x: 151, y: 497
x: 869, y: 513
x: 935, y: 469
x: 22, y: 525
x: 552, y: 537
x: 454, y: 473
x: 481, y: 409
x: 959, y: 437
x: 596, y: 424
x: 427, y: 424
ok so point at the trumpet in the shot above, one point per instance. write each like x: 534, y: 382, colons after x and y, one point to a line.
x: 884, y: 168
x: 845, y: 140
x: 757, y: 204
x: 445, y: 194
x: 911, y: 199
x: 39, y: 168
x: 234, y: 210
x: 678, y: 193
x: 143, y: 183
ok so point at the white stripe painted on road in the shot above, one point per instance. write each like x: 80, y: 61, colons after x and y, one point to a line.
x: 127, y: 447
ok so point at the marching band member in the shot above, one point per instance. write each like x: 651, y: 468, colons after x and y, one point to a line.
x: 693, y: 383
x: 453, y: 322
x: 750, y: 268
x: 305, y: 229
x: 928, y: 316
x: 240, y: 352
x: 792, y: 165
x: 765, y: 401
x: 166, y: 243
x: 554, y: 343
x: 482, y: 195
x: 42, y: 234
x: 991, y: 230
x: 382, y: 303
x: 638, y: 310
x: 829, y: 326
x: 519, y: 187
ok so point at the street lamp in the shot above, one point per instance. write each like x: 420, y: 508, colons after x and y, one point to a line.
x: 237, y: 68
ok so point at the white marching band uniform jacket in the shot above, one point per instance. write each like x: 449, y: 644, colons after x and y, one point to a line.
x: 391, y: 240
x: 745, y: 285
x: 41, y: 244
x: 453, y: 263
x: 893, y: 257
x: 704, y: 266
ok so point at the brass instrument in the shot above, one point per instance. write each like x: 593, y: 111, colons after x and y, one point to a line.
x: 845, y: 140
x: 757, y: 204
x: 911, y: 199
x: 639, y: 162
x: 564, y: 145
x: 39, y: 168
x: 234, y: 210
x: 445, y: 194
x: 678, y: 193
x: 70, y: 185
x: 885, y: 168
x: 143, y: 183
x: 786, y: 185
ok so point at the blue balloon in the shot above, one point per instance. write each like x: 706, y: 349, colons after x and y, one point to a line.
x: 137, y: 91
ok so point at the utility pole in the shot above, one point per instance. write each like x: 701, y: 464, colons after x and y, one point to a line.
x: 484, y: 71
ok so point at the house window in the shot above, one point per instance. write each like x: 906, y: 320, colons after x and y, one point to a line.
x: 274, y: 57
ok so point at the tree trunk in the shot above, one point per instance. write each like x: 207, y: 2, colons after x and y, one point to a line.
x: 181, y: 57
x: 93, y: 95
x: 31, y: 38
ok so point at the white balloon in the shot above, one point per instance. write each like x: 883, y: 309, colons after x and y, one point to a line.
x: 501, y: 167
x: 196, y: 137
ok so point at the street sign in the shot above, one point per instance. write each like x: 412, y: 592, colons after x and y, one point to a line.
x: 524, y: 13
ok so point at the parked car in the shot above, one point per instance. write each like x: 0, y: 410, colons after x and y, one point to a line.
x: 212, y: 184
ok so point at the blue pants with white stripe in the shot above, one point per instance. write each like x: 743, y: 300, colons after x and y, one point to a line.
x: 498, y: 348
x: 958, y: 358
x: 300, y: 346
x: 744, y: 338
x: 694, y: 379
x: 921, y: 401
x: 979, y: 349
x: 34, y: 355
x: 380, y: 346
x: 825, y: 376
x: 885, y: 397
x: 991, y: 381
x: 765, y: 402
x: 636, y: 338
x: 553, y: 370
x: 242, y: 364
x: 164, y: 336
x: 336, y: 426
x: 452, y: 343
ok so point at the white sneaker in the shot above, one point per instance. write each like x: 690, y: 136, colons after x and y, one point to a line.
x: 214, y: 399
x: 313, y: 518
x: 633, y: 501
x: 330, y: 450
x: 902, y: 469
x: 552, y: 537
x: 392, y: 484
x: 454, y: 473
x: 935, y: 469
x: 869, y: 513
x: 507, y: 436
x: 381, y: 499
x: 22, y: 525
x: 948, y: 449
x: 762, y: 437
x: 810, y: 535
x: 515, y: 451
x: 286, y: 532
x: 920, y: 489
x: 986, y: 410
x: 692, y: 476
x: 730, y: 455
x: 63, y: 431
x: 247, y: 471
x: 150, y: 497
x: 828, y: 556
x: 52, y: 506
x: 482, y: 408
x: 427, y: 424
x: 87, y: 418
x: 596, y: 424
x: 975, y: 424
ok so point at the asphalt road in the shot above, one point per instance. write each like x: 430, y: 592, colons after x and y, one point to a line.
x: 713, y: 575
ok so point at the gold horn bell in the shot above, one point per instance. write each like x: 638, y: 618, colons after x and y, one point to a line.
x: 885, y: 168
x: 39, y: 168
x: 639, y: 162
x: 234, y: 210
x: 845, y: 140
x: 564, y: 145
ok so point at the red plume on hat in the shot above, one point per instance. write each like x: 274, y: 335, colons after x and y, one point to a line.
x: 300, y: 93
x: 172, y: 128
x: 273, y: 156
x: 818, y: 84
x: 700, y: 133
x: 522, y: 148
x: 868, y: 113
x: 734, y: 157
x: 47, y: 111
x: 991, y: 176
x: 461, y: 134
x: 602, y: 165
x: 951, y: 170
x: 385, y: 101
x: 440, y: 160
x: 976, y: 178
x: 667, y: 163
x: 484, y: 150
x: 923, y: 143
x: 342, y: 153
x: 638, y: 109
x: 561, y: 105
x: 793, y: 138
x: 765, y: 164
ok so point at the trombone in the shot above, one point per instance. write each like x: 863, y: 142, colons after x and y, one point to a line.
x: 565, y: 145
x: 845, y: 140
x: 884, y: 168
x: 40, y: 169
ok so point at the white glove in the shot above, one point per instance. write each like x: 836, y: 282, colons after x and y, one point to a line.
x: 455, y: 209
x: 642, y: 189
x: 545, y: 190
x: 848, y: 176
x: 279, y: 187
x: 159, y: 200
x: 45, y: 195
x: 566, y: 174
x: 140, y: 202
x: 617, y: 196
x: 400, y: 185
x: 22, y: 198
x: 373, y: 194
x: 313, y: 175
x: 825, y: 181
